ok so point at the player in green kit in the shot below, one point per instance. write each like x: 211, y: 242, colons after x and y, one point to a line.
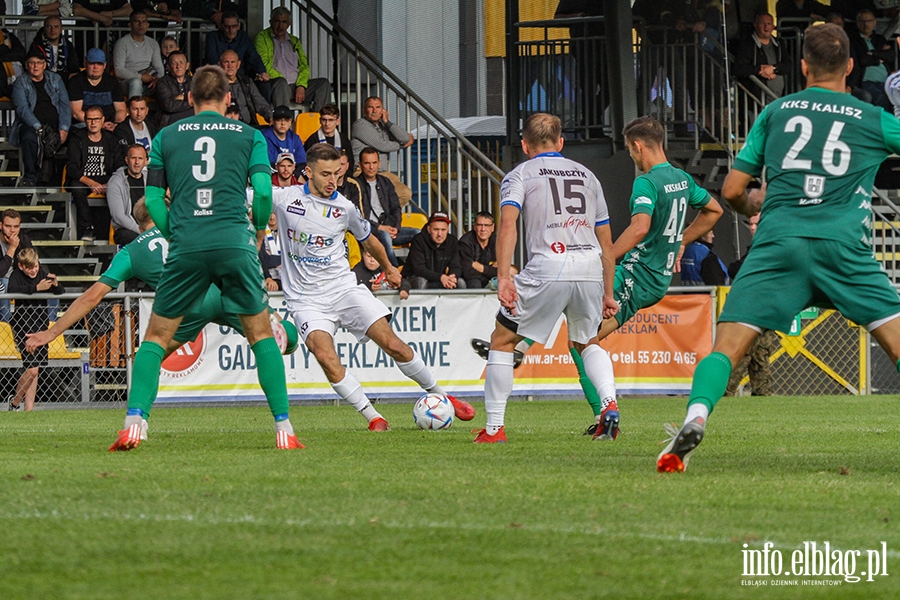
x: 820, y: 149
x: 143, y: 259
x: 206, y: 161
x: 651, y: 246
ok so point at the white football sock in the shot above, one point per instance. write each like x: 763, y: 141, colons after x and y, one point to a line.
x: 284, y: 426
x: 523, y: 346
x: 498, y: 385
x: 599, y: 369
x: 697, y: 410
x: 350, y: 390
x: 419, y: 372
x: 132, y: 420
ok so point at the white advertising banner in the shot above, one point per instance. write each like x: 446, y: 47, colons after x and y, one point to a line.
x: 219, y: 365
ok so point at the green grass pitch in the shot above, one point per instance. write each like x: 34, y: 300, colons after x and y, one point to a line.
x: 207, y: 508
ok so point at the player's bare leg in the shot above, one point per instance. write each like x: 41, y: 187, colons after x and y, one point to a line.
x: 888, y: 336
x: 321, y: 344
x: 710, y: 381
x: 498, y: 383
x: 145, y: 380
x: 270, y: 371
x: 411, y: 364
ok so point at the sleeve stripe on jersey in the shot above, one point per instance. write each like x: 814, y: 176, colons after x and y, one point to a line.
x: 365, y: 238
x: 510, y: 203
x: 600, y: 223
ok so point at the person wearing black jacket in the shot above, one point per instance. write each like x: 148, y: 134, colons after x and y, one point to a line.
x: 380, y: 205
x: 12, y: 241
x: 433, y: 260
x: 30, y: 315
x: 243, y: 93
x: 94, y: 155
x: 762, y: 56
x: 59, y: 52
x: 873, y: 60
x: 136, y: 129
x: 478, y: 252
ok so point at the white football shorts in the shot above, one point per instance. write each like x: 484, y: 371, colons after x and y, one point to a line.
x: 355, y: 309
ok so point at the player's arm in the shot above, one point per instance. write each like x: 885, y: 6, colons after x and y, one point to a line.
x: 261, y: 181
x: 506, y: 246
x: 155, y: 191
x: 604, y: 237
x: 376, y: 249
x: 633, y: 235
x: 703, y: 222
x: 734, y: 190
x: 77, y: 311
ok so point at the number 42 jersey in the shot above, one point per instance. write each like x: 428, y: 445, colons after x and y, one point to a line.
x: 561, y: 202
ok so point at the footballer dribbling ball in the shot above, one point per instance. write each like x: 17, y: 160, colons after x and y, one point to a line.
x: 433, y: 411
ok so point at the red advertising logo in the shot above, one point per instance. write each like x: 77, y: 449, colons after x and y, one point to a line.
x: 186, y: 359
x: 558, y: 247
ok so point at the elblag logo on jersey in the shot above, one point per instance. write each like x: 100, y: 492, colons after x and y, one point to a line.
x: 301, y: 237
x: 558, y: 247
x: 204, y: 201
x: 813, y: 187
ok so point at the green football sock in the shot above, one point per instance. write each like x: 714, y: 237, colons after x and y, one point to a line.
x: 270, y: 370
x: 145, y: 377
x: 590, y: 392
x: 898, y: 365
x: 710, y: 380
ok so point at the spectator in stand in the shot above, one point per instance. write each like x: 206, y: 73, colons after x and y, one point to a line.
x: 280, y: 138
x: 287, y: 65
x: 93, y: 87
x: 33, y: 8
x: 328, y: 133
x: 137, y: 59
x: 284, y: 171
x: 12, y: 241
x: 243, y: 93
x: 30, y: 316
x: 380, y: 205
x: 873, y: 58
x: 478, y: 253
x: 136, y: 129
x: 93, y: 158
x: 433, y: 259
x: 270, y: 255
x: 211, y: 10
x: 167, y: 46
x: 375, y: 130
x: 848, y: 9
x: 761, y: 55
x: 167, y: 11
x: 59, y: 52
x: 43, y: 118
x: 346, y: 185
x: 369, y: 273
x: 12, y: 55
x: 172, y: 90
x: 700, y: 265
x: 801, y: 9
x: 101, y: 11
x: 126, y: 187
x: 230, y: 36
x: 233, y: 112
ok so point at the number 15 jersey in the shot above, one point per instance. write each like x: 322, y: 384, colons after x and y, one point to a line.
x: 561, y: 202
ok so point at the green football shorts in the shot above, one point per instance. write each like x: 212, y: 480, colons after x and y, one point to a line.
x: 782, y: 277
x: 636, y: 290
x: 187, y: 278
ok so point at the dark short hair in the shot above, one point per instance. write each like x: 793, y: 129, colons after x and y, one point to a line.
x: 133, y: 146
x: 11, y: 213
x: 368, y: 150
x: 322, y: 151
x: 826, y: 49
x: 94, y: 108
x: 175, y: 53
x: 133, y: 99
x: 646, y: 129
x: 131, y: 17
x: 233, y: 109
x: 230, y: 14
x: 209, y: 84
x: 484, y: 214
x: 330, y: 109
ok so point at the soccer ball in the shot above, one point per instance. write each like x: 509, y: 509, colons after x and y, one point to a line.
x: 433, y: 411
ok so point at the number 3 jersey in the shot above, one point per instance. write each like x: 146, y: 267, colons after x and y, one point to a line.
x: 561, y: 202
x: 821, y: 150
x: 313, y: 256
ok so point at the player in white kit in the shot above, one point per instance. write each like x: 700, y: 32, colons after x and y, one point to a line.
x: 321, y: 290
x: 570, y: 264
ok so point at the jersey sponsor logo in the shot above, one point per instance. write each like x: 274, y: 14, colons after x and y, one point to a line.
x: 642, y: 200
x: 675, y: 187
x: 202, y: 212
x: 315, y: 260
x: 558, y: 247
x: 563, y: 173
x: 296, y: 207
x: 186, y: 359
x: 571, y: 222
x: 332, y: 212
x: 814, y: 186
x: 204, y: 197
x: 301, y: 237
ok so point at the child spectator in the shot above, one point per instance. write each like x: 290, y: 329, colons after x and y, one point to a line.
x: 369, y: 273
x: 28, y: 317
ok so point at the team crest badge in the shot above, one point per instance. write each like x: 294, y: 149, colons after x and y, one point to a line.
x: 204, y: 198
x: 814, y: 186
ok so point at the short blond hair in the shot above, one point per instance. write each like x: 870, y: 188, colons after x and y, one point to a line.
x: 28, y: 258
x: 542, y: 129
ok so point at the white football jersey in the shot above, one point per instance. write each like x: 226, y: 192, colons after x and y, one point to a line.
x: 311, y: 237
x: 561, y: 202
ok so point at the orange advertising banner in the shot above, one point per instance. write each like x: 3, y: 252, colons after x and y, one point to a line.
x: 655, y: 352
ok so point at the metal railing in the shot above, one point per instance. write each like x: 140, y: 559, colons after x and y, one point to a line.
x: 444, y: 169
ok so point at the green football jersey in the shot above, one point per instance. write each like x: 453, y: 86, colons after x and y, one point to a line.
x: 143, y: 258
x: 664, y: 193
x: 821, y: 150
x: 207, y: 161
